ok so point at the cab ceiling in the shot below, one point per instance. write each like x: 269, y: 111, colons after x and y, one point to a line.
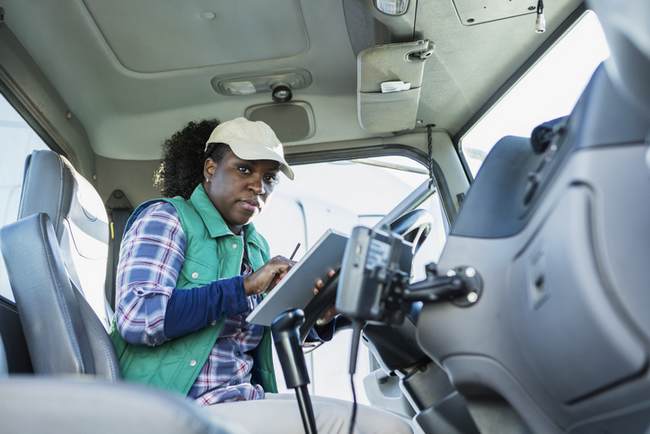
x: 133, y: 72
x: 151, y: 36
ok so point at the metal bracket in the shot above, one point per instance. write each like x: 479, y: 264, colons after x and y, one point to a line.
x: 462, y: 286
x: 424, y: 54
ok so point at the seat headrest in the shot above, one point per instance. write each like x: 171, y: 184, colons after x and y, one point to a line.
x: 52, y: 186
x: 80, y: 222
x: 48, y: 187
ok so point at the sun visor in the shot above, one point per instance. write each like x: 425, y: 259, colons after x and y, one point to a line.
x: 389, y: 78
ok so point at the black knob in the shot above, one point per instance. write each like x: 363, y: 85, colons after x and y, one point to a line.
x: 286, y: 335
x: 541, y: 138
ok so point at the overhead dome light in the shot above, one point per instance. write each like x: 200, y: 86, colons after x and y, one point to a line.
x: 281, y: 93
x: 392, y: 7
x: 249, y: 84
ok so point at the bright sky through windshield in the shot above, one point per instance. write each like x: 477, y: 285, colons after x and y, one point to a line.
x: 549, y: 90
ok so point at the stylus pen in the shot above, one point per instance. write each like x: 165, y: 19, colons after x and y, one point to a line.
x: 294, y: 252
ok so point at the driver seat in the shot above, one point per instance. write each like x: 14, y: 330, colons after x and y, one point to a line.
x: 77, y: 214
x: 63, y: 334
x: 91, y: 406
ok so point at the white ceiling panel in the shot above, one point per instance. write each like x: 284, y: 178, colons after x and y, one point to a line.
x: 156, y: 35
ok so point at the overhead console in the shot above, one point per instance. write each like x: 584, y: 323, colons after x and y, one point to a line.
x: 471, y: 12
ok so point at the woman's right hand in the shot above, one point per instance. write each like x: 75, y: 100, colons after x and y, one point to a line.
x: 265, y: 278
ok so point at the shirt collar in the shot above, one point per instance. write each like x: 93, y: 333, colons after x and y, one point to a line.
x: 213, y: 220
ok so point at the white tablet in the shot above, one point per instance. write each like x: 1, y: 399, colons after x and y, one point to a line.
x: 295, y: 289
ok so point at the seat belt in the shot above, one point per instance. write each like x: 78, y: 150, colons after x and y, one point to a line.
x: 119, y: 209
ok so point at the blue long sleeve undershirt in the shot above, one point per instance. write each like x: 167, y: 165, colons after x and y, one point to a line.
x: 190, y: 310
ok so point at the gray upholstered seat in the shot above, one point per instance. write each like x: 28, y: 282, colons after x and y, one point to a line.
x: 65, y: 337
x: 70, y: 406
x: 52, y: 186
x: 63, y: 334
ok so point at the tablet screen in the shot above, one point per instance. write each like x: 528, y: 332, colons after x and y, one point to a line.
x: 295, y: 289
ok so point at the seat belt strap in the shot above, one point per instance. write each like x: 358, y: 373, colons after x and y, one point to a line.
x: 119, y: 209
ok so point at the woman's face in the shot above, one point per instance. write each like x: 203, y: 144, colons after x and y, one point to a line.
x: 239, y: 188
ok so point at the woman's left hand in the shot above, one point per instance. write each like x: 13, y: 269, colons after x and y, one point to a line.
x: 320, y: 284
x: 330, y: 313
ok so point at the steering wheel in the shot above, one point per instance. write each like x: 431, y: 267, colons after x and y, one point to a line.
x: 414, y: 226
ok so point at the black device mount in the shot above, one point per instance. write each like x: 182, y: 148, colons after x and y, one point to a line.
x: 286, y: 335
x: 374, y: 290
x: 462, y: 286
x: 374, y: 280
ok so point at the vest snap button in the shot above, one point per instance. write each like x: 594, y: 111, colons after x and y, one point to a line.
x: 192, y: 362
x: 234, y: 245
x: 195, y: 275
x: 213, y: 323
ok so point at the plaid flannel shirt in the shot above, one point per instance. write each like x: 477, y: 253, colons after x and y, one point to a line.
x: 151, y: 257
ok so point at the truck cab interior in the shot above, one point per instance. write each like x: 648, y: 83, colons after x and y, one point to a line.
x: 516, y: 296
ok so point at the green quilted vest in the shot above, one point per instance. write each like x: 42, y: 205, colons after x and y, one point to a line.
x: 212, y: 252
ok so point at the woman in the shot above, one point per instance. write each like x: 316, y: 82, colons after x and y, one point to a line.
x: 192, y: 266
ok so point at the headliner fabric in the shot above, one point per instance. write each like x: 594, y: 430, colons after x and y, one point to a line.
x: 155, y: 35
x: 127, y: 114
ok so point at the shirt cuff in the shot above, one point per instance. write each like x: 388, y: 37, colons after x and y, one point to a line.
x: 234, y: 296
x: 322, y: 333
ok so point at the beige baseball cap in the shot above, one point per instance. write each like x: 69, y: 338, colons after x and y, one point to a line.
x: 251, y: 140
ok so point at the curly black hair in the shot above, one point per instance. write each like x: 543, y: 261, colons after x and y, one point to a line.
x: 181, y: 169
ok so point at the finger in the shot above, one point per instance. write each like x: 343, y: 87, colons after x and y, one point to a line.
x: 281, y: 268
x: 316, y: 291
x: 278, y: 277
x: 320, y: 283
x: 331, y: 273
x: 282, y: 260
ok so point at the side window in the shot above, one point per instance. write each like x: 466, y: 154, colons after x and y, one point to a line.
x: 341, y: 195
x: 17, y: 141
x: 547, y: 91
